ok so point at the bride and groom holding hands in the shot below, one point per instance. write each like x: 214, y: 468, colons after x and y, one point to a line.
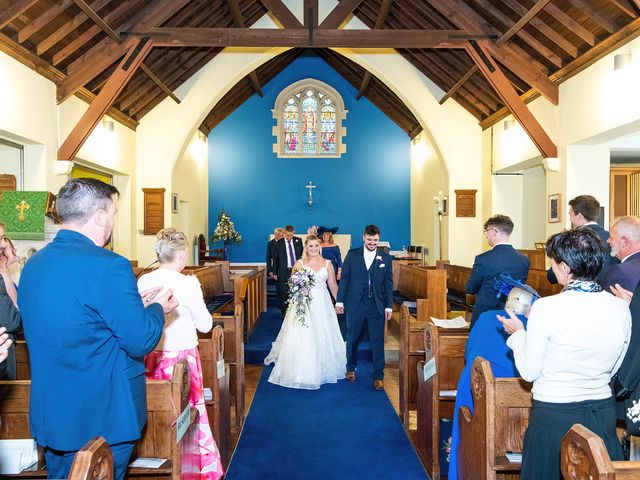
x: 309, y: 350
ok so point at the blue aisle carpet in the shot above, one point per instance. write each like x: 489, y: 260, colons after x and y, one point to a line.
x: 344, y: 431
x: 266, y: 331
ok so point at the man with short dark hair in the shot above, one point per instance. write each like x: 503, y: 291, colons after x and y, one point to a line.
x: 583, y: 212
x: 287, y: 250
x: 365, y: 294
x: 278, y: 233
x: 489, y: 265
x: 88, y: 330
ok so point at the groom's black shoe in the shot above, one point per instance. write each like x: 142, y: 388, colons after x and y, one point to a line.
x: 378, y: 385
x: 351, y: 376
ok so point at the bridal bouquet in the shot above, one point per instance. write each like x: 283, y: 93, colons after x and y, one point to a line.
x: 300, y: 285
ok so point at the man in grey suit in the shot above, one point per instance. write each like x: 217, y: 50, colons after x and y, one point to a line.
x: 9, y: 317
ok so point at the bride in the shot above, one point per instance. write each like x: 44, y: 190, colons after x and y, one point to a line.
x: 310, y: 354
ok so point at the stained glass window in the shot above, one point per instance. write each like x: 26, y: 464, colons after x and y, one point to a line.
x: 309, y: 117
x: 290, y: 127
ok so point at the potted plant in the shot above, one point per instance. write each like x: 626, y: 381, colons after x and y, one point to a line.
x: 226, y: 233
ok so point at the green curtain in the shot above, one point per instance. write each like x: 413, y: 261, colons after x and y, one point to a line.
x: 23, y: 214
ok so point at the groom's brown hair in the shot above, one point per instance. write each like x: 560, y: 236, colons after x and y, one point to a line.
x: 371, y: 230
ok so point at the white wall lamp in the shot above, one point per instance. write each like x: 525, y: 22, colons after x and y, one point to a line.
x: 108, y: 125
x: 622, y: 60
x: 509, y: 124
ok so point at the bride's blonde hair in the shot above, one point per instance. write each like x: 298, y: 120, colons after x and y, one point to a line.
x: 310, y: 238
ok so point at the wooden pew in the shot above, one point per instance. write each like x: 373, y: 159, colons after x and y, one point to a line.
x: 584, y: 456
x: 23, y: 367
x: 435, y: 398
x: 417, y: 282
x: 537, y: 279
x: 457, y: 297
x: 94, y: 461
x: 211, y: 347
x: 212, y: 282
x: 499, y: 421
x: 411, y: 352
x: 396, y: 268
x: 250, y: 289
x: 234, y: 356
x: 166, y: 399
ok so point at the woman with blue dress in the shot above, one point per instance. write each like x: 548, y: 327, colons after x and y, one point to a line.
x: 330, y: 251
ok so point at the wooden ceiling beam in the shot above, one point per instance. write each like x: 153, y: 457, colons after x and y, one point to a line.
x: 571, y: 24
x: 15, y: 10
x: 458, y: 84
x: 322, y: 38
x: 626, y: 10
x: 116, y: 38
x: 310, y: 9
x: 238, y: 21
x: 482, y: 57
x: 364, y: 85
x: 105, y: 53
x: 24, y: 56
x: 510, y: 56
x: 595, y: 14
x: 138, y: 49
x: 543, y: 28
x: 340, y: 14
x: 86, y: 36
x: 526, y: 18
x: 282, y: 13
x: 43, y: 19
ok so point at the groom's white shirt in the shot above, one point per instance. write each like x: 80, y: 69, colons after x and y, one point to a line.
x: 369, y: 257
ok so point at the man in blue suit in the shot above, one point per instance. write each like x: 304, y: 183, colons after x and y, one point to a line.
x: 365, y: 293
x: 88, y: 330
x: 624, y: 239
x: 488, y: 266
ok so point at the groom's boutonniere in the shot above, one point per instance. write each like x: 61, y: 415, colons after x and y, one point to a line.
x: 378, y: 257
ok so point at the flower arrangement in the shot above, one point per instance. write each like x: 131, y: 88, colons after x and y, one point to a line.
x: 312, y: 230
x: 225, y: 231
x: 300, y: 285
x: 446, y: 445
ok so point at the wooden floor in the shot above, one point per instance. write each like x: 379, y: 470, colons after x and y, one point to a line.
x: 391, y: 383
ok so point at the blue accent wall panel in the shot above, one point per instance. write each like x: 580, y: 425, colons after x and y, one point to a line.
x: 368, y: 184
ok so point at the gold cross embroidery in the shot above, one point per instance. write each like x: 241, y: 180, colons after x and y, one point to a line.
x: 22, y: 206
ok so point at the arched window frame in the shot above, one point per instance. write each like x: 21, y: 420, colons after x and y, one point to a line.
x: 297, y: 91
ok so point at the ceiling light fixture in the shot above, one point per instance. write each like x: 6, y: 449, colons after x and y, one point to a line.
x: 622, y: 60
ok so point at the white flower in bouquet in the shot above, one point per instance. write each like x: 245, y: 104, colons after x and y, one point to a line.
x: 300, y: 285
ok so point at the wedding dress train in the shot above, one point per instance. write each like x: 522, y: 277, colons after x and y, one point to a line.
x: 307, y: 356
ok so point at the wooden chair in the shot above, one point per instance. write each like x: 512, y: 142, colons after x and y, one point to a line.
x: 204, y: 253
x: 435, y: 396
x: 497, y: 425
x: 211, y: 347
x: 416, y: 251
x: 94, y: 461
x: 584, y: 456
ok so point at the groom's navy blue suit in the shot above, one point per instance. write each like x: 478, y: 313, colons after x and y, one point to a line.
x: 365, y: 295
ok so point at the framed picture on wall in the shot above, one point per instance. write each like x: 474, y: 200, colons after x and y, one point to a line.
x: 554, y: 208
x: 174, y: 203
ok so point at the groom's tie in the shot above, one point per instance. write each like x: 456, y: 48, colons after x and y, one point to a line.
x: 292, y: 257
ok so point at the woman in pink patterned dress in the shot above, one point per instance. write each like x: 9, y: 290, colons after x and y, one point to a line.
x: 179, y: 339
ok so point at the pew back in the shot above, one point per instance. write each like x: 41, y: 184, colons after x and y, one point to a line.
x: 436, y: 397
x: 537, y: 279
x: 497, y: 425
x: 584, y: 456
x: 94, y: 461
x: 211, y: 347
x: 457, y: 278
x: 416, y: 282
x: 250, y: 289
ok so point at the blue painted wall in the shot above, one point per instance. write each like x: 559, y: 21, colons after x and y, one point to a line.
x: 369, y: 184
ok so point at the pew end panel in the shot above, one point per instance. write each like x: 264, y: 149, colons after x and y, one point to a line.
x: 500, y: 419
x: 435, y: 395
x: 411, y: 351
x: 94, y: 461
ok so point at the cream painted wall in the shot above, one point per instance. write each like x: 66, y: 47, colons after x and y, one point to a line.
x: 508, y: 200
x: 190, y: 182
x: 534, y: 207
x: 29, y: 116
x: 588, y: 173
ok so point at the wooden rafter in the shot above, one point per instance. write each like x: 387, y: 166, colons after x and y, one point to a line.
x: 105, y: 53
x: 116, y: 38
x: 625, y: 9
x: 571, y: 24
x: 480, y: 54
x: 282, y: 13
x: 459, y: 84
x: 380, y: 19
x: 623, y: 36
x: 24, y: 56
x: 526, y: 18
x: 310, y: 10
x: 511, y: 57
x: 38, y: 23
x: 238, y: 21
x: 340, y: 13
x: 322, y: 38
x: 14, y: 11
x: 595, y: 14
x: 138, y: 49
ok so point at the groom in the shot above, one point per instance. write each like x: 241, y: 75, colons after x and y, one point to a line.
x: 366, y: 294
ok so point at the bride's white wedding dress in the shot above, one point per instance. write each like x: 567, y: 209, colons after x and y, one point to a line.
x: 307, y: 356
